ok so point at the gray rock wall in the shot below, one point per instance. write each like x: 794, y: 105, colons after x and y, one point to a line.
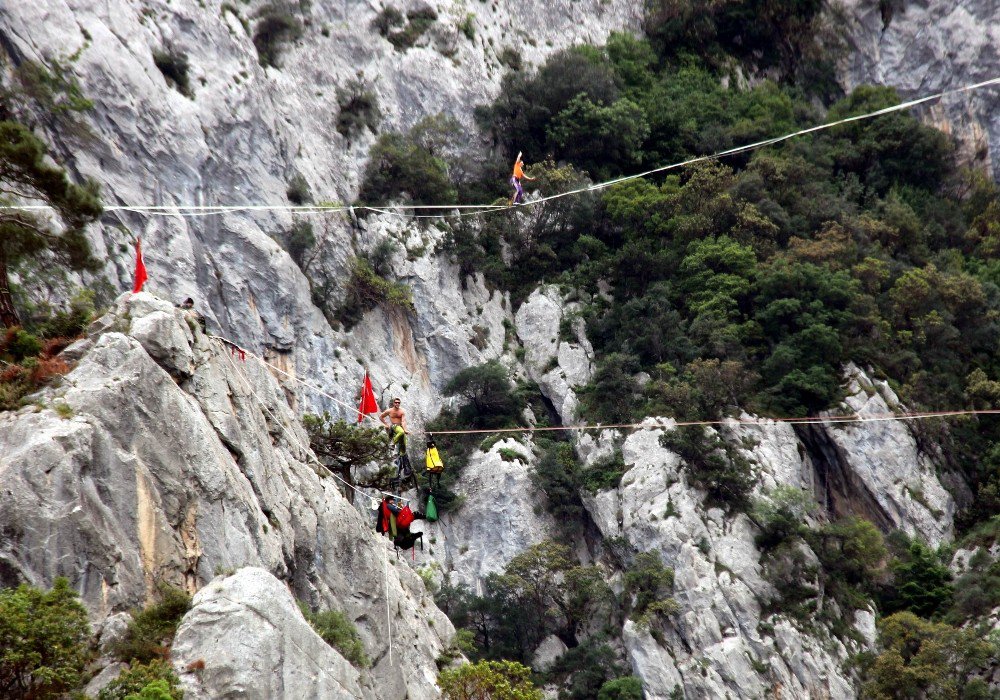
x: 921, y: 48
x: 178, y: 461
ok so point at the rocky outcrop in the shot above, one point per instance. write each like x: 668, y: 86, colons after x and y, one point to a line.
x: 169, y: 459
x: 502, y: 514
x: 724, y: 640
x: 247, y: 131
x: 557, y: 355
x: 245, y: 637
x: 921, y: 48
x: 876, y: 469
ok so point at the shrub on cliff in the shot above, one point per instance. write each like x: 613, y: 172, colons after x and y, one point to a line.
x: 151, y: 631
x: 43, y: 641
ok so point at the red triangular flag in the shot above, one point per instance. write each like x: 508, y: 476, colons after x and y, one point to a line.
x: 140, y: 269
x: 368, y: 402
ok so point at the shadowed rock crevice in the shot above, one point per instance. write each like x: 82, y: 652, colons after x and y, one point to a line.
x: 837, y: 486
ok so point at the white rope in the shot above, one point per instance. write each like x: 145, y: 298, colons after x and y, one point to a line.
x: 388, y: 616
x: 479, y: 209
x: 652, y: 425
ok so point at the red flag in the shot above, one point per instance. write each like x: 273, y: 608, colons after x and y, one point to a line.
x: 368, y: 402
x: 140, y: 269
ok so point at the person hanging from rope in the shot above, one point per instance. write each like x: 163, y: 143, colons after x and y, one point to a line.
x: 515, y: 180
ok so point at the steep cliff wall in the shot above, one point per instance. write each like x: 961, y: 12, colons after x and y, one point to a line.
x: 925, y: 47
x: 169, y: 460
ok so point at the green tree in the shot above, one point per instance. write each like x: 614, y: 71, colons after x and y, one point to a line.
x: 489, y: 680
x: 25, y: 173
x: 487, y: 391
x: 400, y: 168
x: 625, y: 688
x: 921, y: 583
x: 343, y: 447
x: 43, y: 641
x: 601, y: 140
x: 560, y: 594
x: 927, y: 659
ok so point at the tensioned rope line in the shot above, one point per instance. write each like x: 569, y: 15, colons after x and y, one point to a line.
x: 478, y: 209
x: 652, y: 424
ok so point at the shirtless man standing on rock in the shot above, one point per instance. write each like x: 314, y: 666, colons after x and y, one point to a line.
x: 397, y: 416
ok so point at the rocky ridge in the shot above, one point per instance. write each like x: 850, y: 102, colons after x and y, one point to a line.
x: 161, y: 457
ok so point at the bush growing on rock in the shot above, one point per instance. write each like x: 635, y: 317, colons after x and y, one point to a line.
x: 649, y: 583
x: 339, y: 632
x: 357, y: 108
x: 155, y: 680
x: 151, y: 631
x: 276, y: 26
x: 625, y: 688
x: 497, y: 680
x: 174, y: 67
x: 400, y: 168
x: 43, y: 641
x: 714, y: 465
x: 367, y: 290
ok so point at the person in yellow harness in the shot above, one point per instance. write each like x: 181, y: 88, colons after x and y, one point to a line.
x: 515, y: 180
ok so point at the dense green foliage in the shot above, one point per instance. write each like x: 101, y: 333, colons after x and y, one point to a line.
x: 343, y: 447
x: 929, y: 659
x: 43, y: 641
x: 155, y: 680
x: 496, y: 680
x: 402, y: 168
x: 26, y: 172
x: 339, y: 632
x: 149, y: 634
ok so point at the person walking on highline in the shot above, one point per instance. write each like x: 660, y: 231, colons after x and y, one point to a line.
x: 515, y: 180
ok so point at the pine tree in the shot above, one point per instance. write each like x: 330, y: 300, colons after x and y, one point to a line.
x: 26, y: 176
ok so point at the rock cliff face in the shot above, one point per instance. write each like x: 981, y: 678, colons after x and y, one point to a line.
x: 173, y: 460
x: 161, y: 457
x: 247, y: 131
x: 921, y: 48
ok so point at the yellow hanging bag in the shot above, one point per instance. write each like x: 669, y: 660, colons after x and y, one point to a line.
x: 433, y: 459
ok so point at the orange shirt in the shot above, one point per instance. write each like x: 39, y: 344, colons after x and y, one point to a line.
x: 518, y: 170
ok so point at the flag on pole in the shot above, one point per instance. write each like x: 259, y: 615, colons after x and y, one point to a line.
x: 140, y: 268
x: 368, y: 402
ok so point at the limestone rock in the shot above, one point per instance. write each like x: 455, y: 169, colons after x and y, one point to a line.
x: 502, y: 515
x: 924, y: 48
x: 251, y: 638
x: 558, y: 366
x: 892, y: 479
x: 154, y: 480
